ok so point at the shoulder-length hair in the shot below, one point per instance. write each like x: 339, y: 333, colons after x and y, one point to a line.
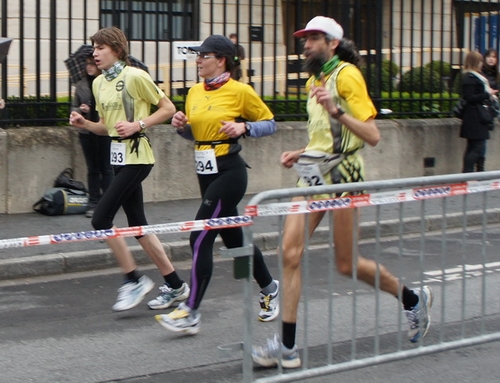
x: 472, y: 61
x: 115, y: 39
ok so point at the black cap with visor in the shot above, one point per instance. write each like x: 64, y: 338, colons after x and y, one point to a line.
x: 218, y: 44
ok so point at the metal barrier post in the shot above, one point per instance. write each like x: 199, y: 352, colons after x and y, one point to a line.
x: 242, y: 269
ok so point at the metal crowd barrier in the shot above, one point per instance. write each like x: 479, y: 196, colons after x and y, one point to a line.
x: 356, y: 326
x: 444, y: 242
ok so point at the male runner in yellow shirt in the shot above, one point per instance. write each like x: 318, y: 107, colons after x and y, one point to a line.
x: 341, y: 119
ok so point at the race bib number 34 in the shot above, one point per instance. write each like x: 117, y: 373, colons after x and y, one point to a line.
x: 118, y: 153
x: 205, y: 162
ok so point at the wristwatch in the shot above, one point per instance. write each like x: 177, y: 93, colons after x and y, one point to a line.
x: 142, y: 124
x: 247, y: 129
x: 339, y: 113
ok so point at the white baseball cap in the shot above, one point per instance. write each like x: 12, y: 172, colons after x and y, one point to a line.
x: 322, y: 24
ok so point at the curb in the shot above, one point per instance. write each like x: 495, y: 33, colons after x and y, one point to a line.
x: 78, y: 261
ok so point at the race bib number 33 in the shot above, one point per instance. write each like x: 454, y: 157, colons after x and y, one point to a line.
x: 205, y: 162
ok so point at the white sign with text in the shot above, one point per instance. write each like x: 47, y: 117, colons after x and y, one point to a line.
x: 181, y: 50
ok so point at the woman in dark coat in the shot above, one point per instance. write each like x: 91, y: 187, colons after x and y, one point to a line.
x: 95, y: 148
x: 475, y: 91
x: 490, y: 68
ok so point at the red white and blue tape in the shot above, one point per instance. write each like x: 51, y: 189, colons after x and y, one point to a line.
x: 92, y: 235
x: 271, y: 209
x: 373, y: 199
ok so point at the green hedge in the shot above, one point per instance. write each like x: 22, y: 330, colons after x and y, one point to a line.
x: 440, y: 67
x: 410, y: 104
x: 419, y: 105
x: 423, y: 79
x: 36, y: 112
x: 389, y: 71
x: 293, y: 109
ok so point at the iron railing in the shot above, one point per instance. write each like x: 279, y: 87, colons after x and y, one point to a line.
x: 396, y: 38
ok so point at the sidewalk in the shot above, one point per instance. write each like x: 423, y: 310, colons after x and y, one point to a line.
x: 90, y: 255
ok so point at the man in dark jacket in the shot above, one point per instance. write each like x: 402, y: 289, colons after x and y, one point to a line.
x: 240, y: 54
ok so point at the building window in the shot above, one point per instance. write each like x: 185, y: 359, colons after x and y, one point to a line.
x: 159, y: 20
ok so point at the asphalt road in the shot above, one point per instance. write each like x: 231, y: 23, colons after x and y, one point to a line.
x: 62, y: 329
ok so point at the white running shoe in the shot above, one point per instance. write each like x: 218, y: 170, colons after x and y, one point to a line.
x: 180, y: 320
x: 132, y: 293
x: 419, y: 318
x: 269, y: 354
x: 270, y: 305
x: 168, y: 296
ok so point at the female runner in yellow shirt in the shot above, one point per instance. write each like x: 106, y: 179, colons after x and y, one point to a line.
x: 213, y: 109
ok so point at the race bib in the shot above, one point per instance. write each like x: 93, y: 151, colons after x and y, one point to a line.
x: 310, y: 173
x: 205, y: 162
x: 118, y: 153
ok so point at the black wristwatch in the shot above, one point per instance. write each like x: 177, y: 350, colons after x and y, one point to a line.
x: 247, y: 129
x: 339, y: 113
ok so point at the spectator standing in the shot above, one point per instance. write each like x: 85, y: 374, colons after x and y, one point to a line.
x: 490, y: 68
x: 240, y: 53
x: 124, y: 96
x: 213, y: 109
x: 476, y: 91
x: 341, y: 120
x: 95, y: 147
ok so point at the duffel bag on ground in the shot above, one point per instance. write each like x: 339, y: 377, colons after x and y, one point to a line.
x: 60, y: 201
